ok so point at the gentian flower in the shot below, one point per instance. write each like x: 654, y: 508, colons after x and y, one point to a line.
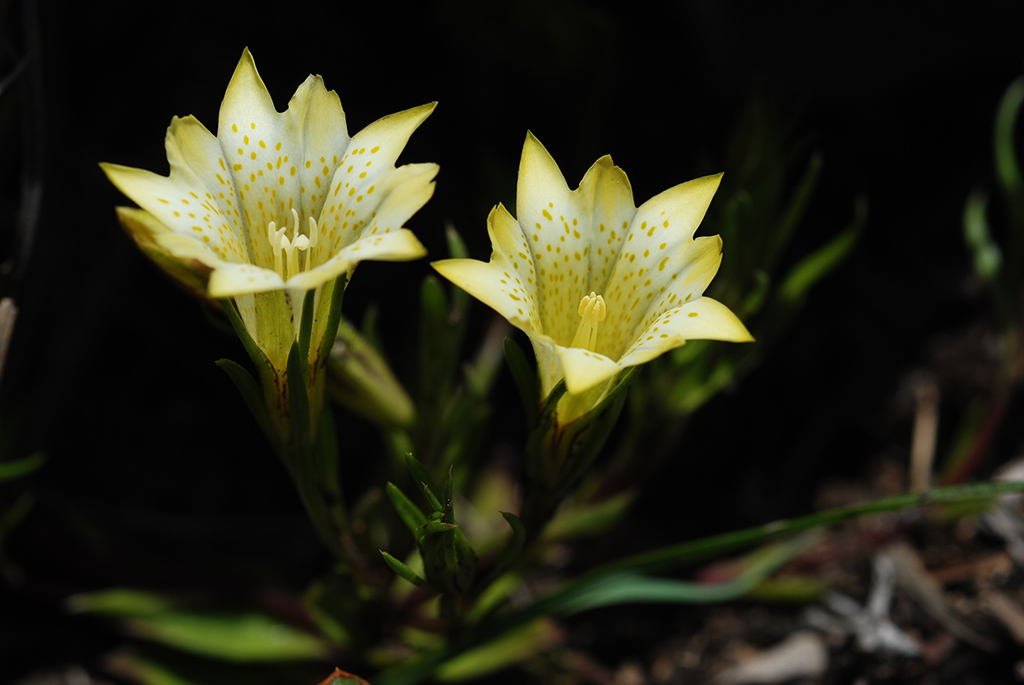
x: 276, y: 205
x: 598, y: 284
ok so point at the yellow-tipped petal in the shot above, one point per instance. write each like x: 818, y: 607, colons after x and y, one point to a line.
x: 607, y: 200
x: 700, y: 319
x: 584, y: 369
x: 231, y: 280
x: 497, y: 287
x: 192, y: 272
x: 661, y: 277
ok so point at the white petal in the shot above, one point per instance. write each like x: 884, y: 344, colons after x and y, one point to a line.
x: 495, y: 283
x: 396, y: 246
x: 699, y: 319
x: 384, y: 209
x: 186, y: 208
x: 653, y: 277
x: 554, y: 228
x: 230, y: 280
x: 279, y: 161
x: 584, y: 369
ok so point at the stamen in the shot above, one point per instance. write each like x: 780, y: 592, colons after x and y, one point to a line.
x: 592, y: 311
x: 286, y: 251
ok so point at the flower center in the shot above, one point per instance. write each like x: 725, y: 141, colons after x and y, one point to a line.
x: 286, y: 250
x: 592, y: 311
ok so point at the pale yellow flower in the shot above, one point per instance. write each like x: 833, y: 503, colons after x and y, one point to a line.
x: 597, y: 284
x: 277, y: 204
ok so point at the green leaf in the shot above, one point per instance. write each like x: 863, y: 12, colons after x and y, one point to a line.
x: 243, y: 636
x: 123, y: 602
x: 240, y: 636
x: 410, y: 514
x: 250, y: 392
x: 628, y: 587
x: 511, y: 648
x: 525, y: 377
x: 987, y: 256
x: 1005, y: 149
x: 426, y: 482
x: 811, y: 269
x: 794, y: 212
x: 10, y: 470
x: 577, y: 521
x: 404, y: 572
x: 510, y: 552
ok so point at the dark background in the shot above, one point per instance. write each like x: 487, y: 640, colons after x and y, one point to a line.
x: 155, y: 475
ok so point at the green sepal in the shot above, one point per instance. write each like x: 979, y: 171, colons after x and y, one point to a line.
x: 449, y: 561
x: 433, y: 528
x: 525, y: 377
x: 337, y: 296
x: 404, y: 572
x: 410, y: 514
x: 251, y: 348
x: 298, y: 400
x: 306, y: 322
x: 250, y: 392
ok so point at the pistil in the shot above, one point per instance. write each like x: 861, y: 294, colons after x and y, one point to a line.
x: 592, y: 311
x: 286, y: 250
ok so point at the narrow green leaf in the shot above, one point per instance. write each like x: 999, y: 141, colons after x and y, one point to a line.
x: 525, y: 377
x: 10, y: 470
x: 794, y: 212
x: 242, y: 637
x: 250, y: 392
x: 811, y: 269
x: 457, y: 250
x: 410, y: 514
x: 627, y: 587
x: 404, y: 572
x: 509, y: 649
x: 1003, y: 139
x: 123, y: 602
x: 978, y: 236
x: 427, y: 484
x: 510, y: 552
x: 588, y: 519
